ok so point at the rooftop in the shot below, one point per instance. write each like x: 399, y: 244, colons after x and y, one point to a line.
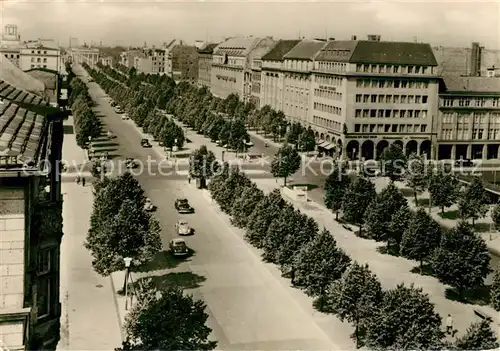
x: 378, y: 52
x: 305, y: 50
x: 208, y: 49
x: 14, y: 76
x: 236, y: 46
x: 280, y: 49
x: 457, y: 84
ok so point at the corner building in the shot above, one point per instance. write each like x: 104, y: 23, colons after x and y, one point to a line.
x: 469, y: 118
x: 368, y: 94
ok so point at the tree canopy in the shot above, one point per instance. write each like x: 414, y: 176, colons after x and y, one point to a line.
x: 285, y: 163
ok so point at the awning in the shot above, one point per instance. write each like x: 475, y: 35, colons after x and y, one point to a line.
x: 320, y: 141
x: 329, y: 146
x: 324, y: 144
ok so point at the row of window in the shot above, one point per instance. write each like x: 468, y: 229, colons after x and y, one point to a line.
x: 327, y: 108
x: 327, y: 80
x: 392, y: 83
x: 477, y: 134
x: 39, y: 66
x: 478, y: 118
x: 390, y: 114
x: 392, y: 99
x: 390, y: 128
x: 39, y: 52
x: 328, y: 94
x: 393, y: 69
x: 331, y: 66
x: 11, y: 56
x: 47, y: 273
x: 38, y: 59
x: 327, y: 123
x: 471, y: 102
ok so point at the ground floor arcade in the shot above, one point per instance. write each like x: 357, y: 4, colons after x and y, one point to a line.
x: 470, y: 151
x: 372, y: 148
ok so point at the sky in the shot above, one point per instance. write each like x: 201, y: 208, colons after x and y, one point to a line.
x: 133, y: 22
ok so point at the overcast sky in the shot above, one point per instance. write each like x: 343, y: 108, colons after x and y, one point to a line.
x: 131, y: 22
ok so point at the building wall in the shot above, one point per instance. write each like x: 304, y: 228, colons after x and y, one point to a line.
x: 185, y: 63
x: 144, y: 65
x: 40, y: 58
x: 272, y: 85
x: 12, y: 53
x: 228, y: 78
x: 456, y: 60
x: 204, y: 69
x: 469, y: 126
x: 81, y: 55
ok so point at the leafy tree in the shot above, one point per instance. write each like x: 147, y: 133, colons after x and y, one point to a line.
x: 474, y: 201
x: 238, y: 136
x: 405, y: 320
x: 216, y: 185
x: 400, y: 220
x: 132, y: 232
x: 495, y: 216
x: 170, y: 321
x: 307, y: 140
x: 304, y: 233
x: 379, y: 213
x: 292, y: 137
x: 336, y: 185
x: 479, y: 336
x: 393, y: 162
x: 225, y: 133
x: 203, y: 164
x: 357, y: 198
x: 462, y: 259
x: 287, y: 223
x: 245, y: 204
x: 231, y: 103
x: 259, y: 221
x: 285, y: 163
x: 319, y: 263
x: 421, y: 237
x: 443, y: 190
x: 232, y: 189
x: 495, y: 290
x: 355, y: 296
x: 416, y: 175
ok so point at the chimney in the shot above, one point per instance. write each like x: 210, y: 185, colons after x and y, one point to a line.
x: 353, y: 37
x: 373, y: 37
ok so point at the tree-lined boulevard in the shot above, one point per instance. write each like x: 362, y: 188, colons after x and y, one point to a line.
x: 236, y: 198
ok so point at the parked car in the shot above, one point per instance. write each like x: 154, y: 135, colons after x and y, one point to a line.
x: 110, y: 135
x: 145, y: 143
x: 113, y: 104
x: 119, y: 110
x: 178, y: 247
x: 182, y: 227
x: 131, y: 163
x: 125, y: 117
x: 183, y: 206
x: 148, y: 206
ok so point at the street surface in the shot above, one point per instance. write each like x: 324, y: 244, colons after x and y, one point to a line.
x: 249, y: 307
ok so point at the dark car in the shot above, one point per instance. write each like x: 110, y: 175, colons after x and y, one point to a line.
x: 182, y: 206
x: 178, y: 247
x: 145, y: 143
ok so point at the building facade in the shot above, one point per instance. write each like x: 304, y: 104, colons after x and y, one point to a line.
x: 205, y: 64
x: 88, y: 55
x: 271, y: 82
x: 251, y: 87
x: 10, y: 44
x: 107, y: 61
x: 469, y: 118
x: 127, y: 58
x: 184, y: 63
x: 368, y: 94
x: 30, y: 220
x: 38, y: 55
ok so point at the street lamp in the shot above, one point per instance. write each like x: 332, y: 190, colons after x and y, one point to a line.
x: 127, y: 261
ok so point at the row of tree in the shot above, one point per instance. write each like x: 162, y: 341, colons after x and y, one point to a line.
x: 399, y: 318
x: 86, y: 123
x: 458, y: 257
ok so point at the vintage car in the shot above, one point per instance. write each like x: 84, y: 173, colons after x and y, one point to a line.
x: 131, y: 163
x: 148, y: 206
x: 178, y: 247
x: 145, y: 143
x: 183, y: 206
x: 182, y: 227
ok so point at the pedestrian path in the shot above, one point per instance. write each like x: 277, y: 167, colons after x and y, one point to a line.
x: 89, y: 319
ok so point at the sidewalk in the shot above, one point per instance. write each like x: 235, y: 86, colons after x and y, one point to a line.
x: 89, y: 319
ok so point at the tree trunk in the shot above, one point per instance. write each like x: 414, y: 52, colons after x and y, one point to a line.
x: 360, y: 229
x: 356, y: 334
x: 284, y: 182
x: 421, y: 266
x: 336, y: 215
x: 473, y: 221
x: 416, y: 199
x: 442, y: 209
x: 388, y: 245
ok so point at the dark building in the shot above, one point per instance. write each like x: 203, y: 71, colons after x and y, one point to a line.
x: 184, y: 63
x: 205, y: 64
x: 31, y: 136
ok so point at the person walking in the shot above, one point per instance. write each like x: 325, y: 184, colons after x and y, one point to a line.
x: 449, y: 325
x: 78, y: 179
x: 189, y: 179
x: 292, y: 276
x: 83, y: 181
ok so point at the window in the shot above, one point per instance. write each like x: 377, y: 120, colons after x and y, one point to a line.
x: 410, y: 99
x: 424, y: 70
x: 388, y: 113
x: 45, y: 52
x: 374, y: 83
x: 374, y: 98
x: 358, y: 97
x: 365, y: 68
x: 357, y: 128
x: 387, y: 128
x: 32, y: 59
x: 394, y: 128
x: 373, y: 113
x: 373, y: 68
x: 395, y: 113
x: 417, y: 114
x: 395, y: 69
x: 46, y: 270
x: 396, y: 83
x: 404, y: 84
x: 44, y: 66
x: 366, y: 98
x: 380, y: 99
x: 372, y: 128
x: 366, y: 84
x: 418, y: 99
x: 410, y: 69
x: 38, y: 59
x: 417, y: 69
x: 402, y: 113
x: 381, y: 69
x: 366, y: 113
x: 381, y: 83
x: 32, y: 66
x: 388, y: 99
x: 396, y: 99
x: 365, y: 128
x: 424, y: 99
x: 403, y: 99
x: 359, y: 68
x: 410, y: 114
x: 423, y: 127
x: 357, y: 113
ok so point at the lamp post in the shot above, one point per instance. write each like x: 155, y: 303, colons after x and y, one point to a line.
x: 127, y: 261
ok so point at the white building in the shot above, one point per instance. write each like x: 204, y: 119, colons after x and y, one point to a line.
x: 85, y: 54
x: 40, y: 55
x: 10, y: 43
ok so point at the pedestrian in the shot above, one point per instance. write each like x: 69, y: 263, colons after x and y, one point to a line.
x: 78, y: 179
x: 449, y: 325
x: 292, y: 276
x: 189, y: 179
x: 83, y: 181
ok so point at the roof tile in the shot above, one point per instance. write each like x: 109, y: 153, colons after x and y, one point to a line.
x: 456, y: 83
x: 305, y: 50
x: 280, y: 49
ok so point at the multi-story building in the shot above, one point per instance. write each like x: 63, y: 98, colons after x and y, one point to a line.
x: 297, y: 73
x: 271, y: 83
x: 469, y: 118
x: 252, y: 75
x: 205, y: 64
x: 40, y: 55
x: 10, y: 44
x: 85, y: 54
x: 31, y: 216
x: 231, y: 73
x: 368, y: 94
x: 107, y: 61
x: 184, y: 62
x: 127, y: 58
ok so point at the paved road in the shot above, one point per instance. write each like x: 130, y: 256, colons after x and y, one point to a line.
x: 249, y: 307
